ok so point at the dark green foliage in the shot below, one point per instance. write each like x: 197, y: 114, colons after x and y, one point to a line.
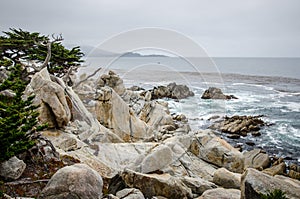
x: 18, y: 117
x: 22, y: 47
x: 276, y: 194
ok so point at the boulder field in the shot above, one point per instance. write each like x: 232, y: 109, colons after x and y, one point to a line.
x: 127, y: 145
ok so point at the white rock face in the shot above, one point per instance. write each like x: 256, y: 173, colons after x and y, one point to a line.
x: 114, y: 113
x: 54, y: 107
x: 12, y: 168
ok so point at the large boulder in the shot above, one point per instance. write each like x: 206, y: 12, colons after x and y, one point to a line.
x: 257, y: 159
x: 227, y: 179
x: 114, y: 114
x: 112, y: 80
x: 254, y: 183
x: 221, y: 193
x: 156, y: 185
x: 172, y: 90
x: 179, y: 91
x: 12, y: 168
x: 218, y: 152
x: 54, y: 105
x: 216, y: 93
x: 76, y: 181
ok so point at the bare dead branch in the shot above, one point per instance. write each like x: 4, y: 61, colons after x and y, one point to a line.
x: 22, y: 182
x: 85, y: 79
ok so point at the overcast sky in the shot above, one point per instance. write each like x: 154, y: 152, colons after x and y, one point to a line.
x: 221, y: 27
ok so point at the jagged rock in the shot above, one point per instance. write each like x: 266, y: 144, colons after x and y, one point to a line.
x: 112, y: 80
x: 172, y: 90
x: 54, y: 108
x: 185, y: 163
x: 240, y: 125
x: 276, y: 170
x: 218, y: 152
x: 12, y: 168
x: 227, y: 179
x: 257, y: 159
x: 156, y: 185
x: 255, y: 183
x: 216, y: 93
x: 179, y: 91
x: 221, y: 193
x: 130, y: 193
x: 156, y: 115
x: 76, y: 181
x: 198, y: 185
x: 114, y: 113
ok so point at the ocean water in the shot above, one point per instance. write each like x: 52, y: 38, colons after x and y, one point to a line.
x: 264, y: 86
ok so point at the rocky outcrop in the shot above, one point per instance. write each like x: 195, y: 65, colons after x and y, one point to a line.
x: 221, y: 193
x: 172, y: 90
x: 227, y: 179
x: 255, y: 183
x: 218, y: 152
x: 239, y: 125
x: 12, y: 168
x: 76, y: 181
x: 156, y: 115
x: 112, y: 80
x: 54, y: 107
x: 114, y: 114
x: 216, y: 93
x: 156, y: 185
x: 257, y: 159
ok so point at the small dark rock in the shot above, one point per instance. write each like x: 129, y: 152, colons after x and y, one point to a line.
x: 256, y: 133
x: 216, y: 93
x: 250, y: 143
x: 233, y: 136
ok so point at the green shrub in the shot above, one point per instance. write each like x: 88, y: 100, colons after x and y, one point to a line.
x: 276, y: 194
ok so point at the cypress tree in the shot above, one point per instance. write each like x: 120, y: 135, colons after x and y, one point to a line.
x: 18, y: 116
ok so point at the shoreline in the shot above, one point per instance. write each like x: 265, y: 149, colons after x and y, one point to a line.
x: 124, y: 134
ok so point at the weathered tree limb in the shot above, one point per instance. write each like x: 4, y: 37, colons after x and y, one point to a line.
x: 85, y: 79
x: 48, y: 57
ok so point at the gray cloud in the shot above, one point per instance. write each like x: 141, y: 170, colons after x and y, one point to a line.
x: 223, y: 28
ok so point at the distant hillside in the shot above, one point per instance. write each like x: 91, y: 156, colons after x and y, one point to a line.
x: 131, y: 54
